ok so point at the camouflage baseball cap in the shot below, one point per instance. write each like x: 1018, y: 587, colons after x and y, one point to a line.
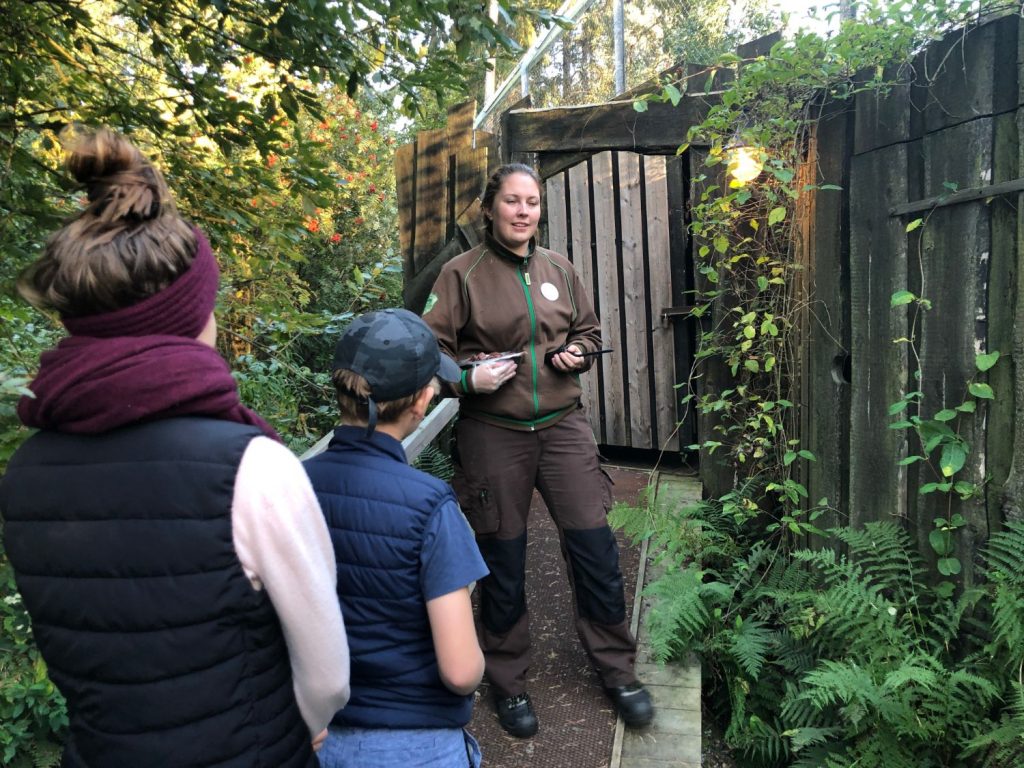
x: 395, y: 351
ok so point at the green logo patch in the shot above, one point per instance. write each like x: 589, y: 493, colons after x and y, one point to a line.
x: 431, y: 301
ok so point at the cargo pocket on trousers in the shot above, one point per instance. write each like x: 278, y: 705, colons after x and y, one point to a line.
x: 477, y: 505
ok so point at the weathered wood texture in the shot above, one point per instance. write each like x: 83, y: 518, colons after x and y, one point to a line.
x: 709, y: 374
x: 825, y: 411
x: 610, y: 217
x: 956, y: 127
x: 607, y: 280
x: 879, y: 367
x: 616, y: 125
x: 439, y: 178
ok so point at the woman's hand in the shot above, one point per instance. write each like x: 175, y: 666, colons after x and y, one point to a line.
x: 489, y: 377
x: 570, y: 360
x: 319, y: 739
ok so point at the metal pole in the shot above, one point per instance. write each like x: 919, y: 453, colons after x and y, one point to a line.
x: 619, y: 33
x: 524, y: 78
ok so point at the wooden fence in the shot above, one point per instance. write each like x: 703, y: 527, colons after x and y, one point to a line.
x: 944, y: 148
x: 439, y: 178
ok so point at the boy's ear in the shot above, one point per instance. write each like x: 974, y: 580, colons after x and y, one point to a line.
x: 422, y: 401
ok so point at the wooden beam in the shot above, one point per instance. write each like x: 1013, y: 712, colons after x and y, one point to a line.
x: 615, y: 125
x: 960, y: 196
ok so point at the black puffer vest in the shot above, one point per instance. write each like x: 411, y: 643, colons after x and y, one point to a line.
x: 123, y: 552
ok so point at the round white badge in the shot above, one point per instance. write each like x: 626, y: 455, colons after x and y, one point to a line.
x: 549, y: 291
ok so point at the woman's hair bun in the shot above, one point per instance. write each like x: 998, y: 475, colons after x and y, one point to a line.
x: 120, y: 181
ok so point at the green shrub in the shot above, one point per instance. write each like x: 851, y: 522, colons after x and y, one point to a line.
x: 32, y: 712
x: 843, y: 655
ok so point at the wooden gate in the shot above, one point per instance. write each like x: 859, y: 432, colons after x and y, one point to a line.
x: 610, y: 216
x: 439, y: 179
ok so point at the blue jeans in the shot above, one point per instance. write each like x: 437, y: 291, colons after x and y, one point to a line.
x: 399, y: 748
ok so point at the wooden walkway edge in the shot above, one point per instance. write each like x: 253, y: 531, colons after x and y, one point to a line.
x: 674, y: 738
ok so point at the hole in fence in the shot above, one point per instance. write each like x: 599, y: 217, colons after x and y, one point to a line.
x: 842, y: 368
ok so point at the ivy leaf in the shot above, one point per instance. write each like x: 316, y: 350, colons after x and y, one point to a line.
x: 953, y: 458
x: 948, y: 566
x: 776, y: 215
x: 946, y: 414
x: 640, y: 106
x: 673, y: 94
x: 983, y: 391
x: 941, y: 542
x: 914, y: 225
x: 969, y: 407
x: 986, y: 361
x: 901, y: 297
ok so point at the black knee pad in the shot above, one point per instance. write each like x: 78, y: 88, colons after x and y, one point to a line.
x: 503, y: 592
x: 594, y: 559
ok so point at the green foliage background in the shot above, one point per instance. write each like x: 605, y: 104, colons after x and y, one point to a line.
x: 274, y: 123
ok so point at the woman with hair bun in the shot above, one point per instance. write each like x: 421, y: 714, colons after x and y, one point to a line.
x: 169, y: 550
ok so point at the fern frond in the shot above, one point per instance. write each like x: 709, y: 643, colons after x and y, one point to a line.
x: 1004, y: 554
x: 678, y: 616
x: 748, y: 645
x: 1007, y: 617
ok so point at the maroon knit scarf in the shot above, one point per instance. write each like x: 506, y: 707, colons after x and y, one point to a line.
x: 139, y: 363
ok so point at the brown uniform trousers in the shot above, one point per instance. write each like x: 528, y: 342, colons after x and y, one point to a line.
x: 496, y: 472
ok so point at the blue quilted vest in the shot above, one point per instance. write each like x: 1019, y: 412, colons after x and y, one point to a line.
x: 123, y: 552
x: 377, y: 508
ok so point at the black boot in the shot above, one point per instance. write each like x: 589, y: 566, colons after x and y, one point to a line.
x: 515, y: 714
x: 633, y: 703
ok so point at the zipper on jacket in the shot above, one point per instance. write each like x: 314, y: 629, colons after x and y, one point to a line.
x: 524, y: 279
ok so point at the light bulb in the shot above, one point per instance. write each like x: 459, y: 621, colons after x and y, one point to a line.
x: 744, y: 163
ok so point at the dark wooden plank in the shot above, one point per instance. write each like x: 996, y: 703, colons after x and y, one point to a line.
x: 558, y: 224
x: 635, y: 301
x: 1003, y: 311
x: 506, y: 131
x: 827, y: 428
x: 879, y: 370
x: 405, y: 192
x: 1013, y: 490
x: 762, y: 46
x: 416, y: 288
x: 682, y: 276
x: 550, y: 163
x: 431, y: 195
x: 954, y: 261
x: 966, y: 69
x: 460, y: 125
x: 582, y: 254
x: 662, y: 128
x: 607, y: 280
x: 711, y: 375
x: 882, y: 119
x: 660, y: 291
x: 470, y: 176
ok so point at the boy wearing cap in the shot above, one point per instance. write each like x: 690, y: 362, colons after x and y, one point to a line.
x: 405, y: 555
